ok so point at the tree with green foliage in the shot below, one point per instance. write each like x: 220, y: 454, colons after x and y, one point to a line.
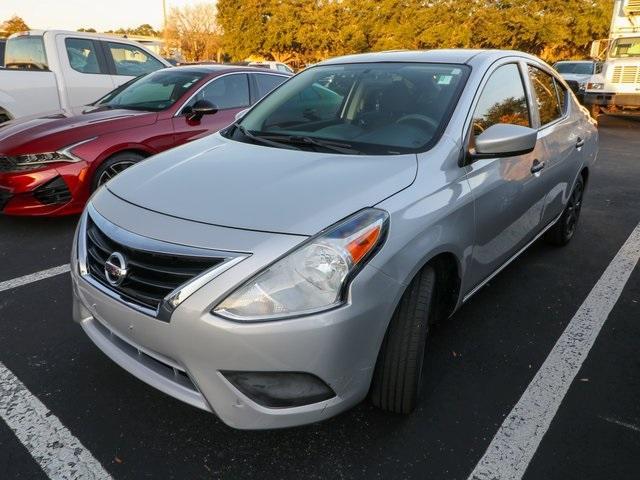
x: 311, y: 30
x: 14, y: 25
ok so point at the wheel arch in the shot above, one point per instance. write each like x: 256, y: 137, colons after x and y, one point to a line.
x: 585, y: 175
x: 144, y: 153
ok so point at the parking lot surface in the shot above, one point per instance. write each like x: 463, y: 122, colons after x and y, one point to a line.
x: 478, y: 365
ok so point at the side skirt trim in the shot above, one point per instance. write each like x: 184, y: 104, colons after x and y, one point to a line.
x: 506, y: 264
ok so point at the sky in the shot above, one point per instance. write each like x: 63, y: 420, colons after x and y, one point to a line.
x: 99, y: 14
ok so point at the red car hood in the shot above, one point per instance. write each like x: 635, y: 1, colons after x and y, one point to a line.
x: 55, y: 131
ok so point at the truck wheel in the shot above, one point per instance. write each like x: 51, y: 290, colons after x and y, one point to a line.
x: 113, y: 166
x: 564, y: 229
x: 398, y: 374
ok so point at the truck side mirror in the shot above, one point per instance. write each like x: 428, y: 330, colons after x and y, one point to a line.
x: 599, y: 49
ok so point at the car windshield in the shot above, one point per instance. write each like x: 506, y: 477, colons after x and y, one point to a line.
x: 153, y: 92
x: 625, y: 47
x: 577, y: 68
x: 373, y: 108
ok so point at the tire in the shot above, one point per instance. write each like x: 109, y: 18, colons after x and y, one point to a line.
x: 113, y: 166
x: 398, y: 374
x: 565, y: 228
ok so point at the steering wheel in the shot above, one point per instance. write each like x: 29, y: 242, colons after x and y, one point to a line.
x: 418, y: 118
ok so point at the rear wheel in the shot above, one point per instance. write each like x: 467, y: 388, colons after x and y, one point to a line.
x: 398, y: 374
x: 113, y: 166
x: 565, y: 228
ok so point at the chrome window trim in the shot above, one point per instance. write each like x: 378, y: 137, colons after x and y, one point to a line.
x: 176, y: 297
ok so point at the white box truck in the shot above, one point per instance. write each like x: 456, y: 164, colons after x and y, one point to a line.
x: 617, y: 87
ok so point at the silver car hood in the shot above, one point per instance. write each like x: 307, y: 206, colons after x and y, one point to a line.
x: 234, y: 184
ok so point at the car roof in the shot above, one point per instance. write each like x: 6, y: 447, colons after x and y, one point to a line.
x: 221, y: 68
x: 457, y: 56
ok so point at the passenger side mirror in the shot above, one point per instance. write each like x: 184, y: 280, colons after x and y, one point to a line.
x: 241, y: 114
x: 504, y: 140
x: 200, y: 109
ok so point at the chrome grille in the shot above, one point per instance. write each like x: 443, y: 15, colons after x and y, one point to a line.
x: 632, y: 7
x: 626, y: 74
x: 152, y: 275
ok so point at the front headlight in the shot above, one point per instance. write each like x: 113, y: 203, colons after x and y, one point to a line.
x: 314, y: 276
x: 30, y: 161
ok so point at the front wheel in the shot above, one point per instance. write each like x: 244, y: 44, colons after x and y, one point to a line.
x: 113, y: 166
x: 398, y: 374
x: 565, y: 228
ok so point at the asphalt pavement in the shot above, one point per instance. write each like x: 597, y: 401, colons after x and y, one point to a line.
x: 478, y: 365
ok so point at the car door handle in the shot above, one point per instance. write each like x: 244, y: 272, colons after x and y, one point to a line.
x: 580, y: 143
x: 537, y: 166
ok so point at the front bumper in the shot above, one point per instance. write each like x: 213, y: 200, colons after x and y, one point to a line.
x: 608, y: 99
x: 185, y: 356
x: 49, y: 191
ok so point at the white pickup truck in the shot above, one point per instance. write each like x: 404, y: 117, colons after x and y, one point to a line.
x: 49, y: 71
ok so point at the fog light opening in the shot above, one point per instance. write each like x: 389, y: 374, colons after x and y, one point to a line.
x: 280, y: 389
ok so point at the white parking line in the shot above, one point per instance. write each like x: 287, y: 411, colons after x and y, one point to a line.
x: 33, y: 277
x: 57, y: 451
x: 517, y: 440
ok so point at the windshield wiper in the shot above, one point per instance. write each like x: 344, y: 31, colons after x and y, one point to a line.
x: 304, y: 140
x: 261, y: 139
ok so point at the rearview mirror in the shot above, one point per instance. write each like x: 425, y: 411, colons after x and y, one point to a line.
x: 200, y: 109
x: 505, y: 140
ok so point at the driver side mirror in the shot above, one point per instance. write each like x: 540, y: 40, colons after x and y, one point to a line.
x: 504, y: 140
x: 200, y: 109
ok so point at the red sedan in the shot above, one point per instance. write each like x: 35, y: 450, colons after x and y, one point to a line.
x: 51, y: 165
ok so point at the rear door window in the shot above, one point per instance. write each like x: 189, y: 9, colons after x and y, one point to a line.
x: 132, y: 61
x: 266, y: 83
x: 83, y: 55
x: 26, y: 53
x: 503, y: 100
x: 544, y: 87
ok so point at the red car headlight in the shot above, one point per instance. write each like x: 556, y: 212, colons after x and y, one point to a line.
x: 30, y: 161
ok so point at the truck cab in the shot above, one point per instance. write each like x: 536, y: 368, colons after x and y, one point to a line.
x: 49, y: 71
x: 617, y: 87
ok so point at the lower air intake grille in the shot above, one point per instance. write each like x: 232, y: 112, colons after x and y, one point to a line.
x: 6, y: 165
x: 5, y: 196
x: 151, y: 275
x: 53, y: 192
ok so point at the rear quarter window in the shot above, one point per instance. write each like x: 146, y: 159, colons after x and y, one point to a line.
x: 544, y: 87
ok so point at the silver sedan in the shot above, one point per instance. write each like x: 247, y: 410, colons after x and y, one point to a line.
x: 280, y: 271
